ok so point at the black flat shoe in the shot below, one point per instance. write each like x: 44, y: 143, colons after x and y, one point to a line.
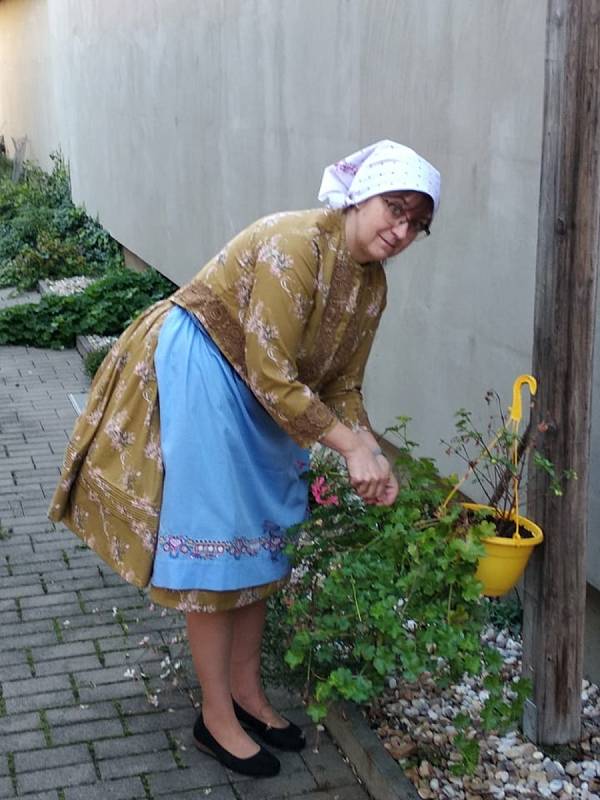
x: 261, y: 765
x: 289, y: 738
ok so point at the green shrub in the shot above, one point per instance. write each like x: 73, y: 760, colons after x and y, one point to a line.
x: 105, y: 308
x: 5, y: 167
x: 51, y: 258
x: 93, y: 360
x: 43, y: 235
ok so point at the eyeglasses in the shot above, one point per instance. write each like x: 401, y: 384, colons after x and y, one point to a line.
x: 397, y: 214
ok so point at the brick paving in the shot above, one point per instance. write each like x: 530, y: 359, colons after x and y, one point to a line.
x: 72, y: 724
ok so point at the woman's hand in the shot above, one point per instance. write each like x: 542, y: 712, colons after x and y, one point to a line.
x: 370, y: 473
x: 369, y: 470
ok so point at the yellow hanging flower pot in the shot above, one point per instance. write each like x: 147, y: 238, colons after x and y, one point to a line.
x: 505, y: 558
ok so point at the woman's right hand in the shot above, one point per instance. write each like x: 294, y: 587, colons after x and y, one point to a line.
x: 369, y: 472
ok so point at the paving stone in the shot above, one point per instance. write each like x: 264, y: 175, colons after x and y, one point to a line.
x: 161, y: 720
x: 134, y: 765
x: 114, y: 593
x: 81, y: 713
x: 120, y: 789
x: 8, y: 631
x: 140, y: 705
x: 294, y: 777
x: 206, y: 773
x: 36, y: 563
x: 87, y: 732
x: 131, y: 745
x: 343, y: 793
x: 68, y: 611
x: 327, y: 766
x: 56, y: 778
x: 6, y: 788
x: 24, y: 523
x: 89, y: 632
x: 111, y: 691
x: 57, y: 756
x: 62, y: 665
x: 50, y: 795
x: 16, y: 742
x: 35, y: 685
x: 90, y: 620
x: 65, y: 650
x: 134, y: 656
x: 131, y: 601
x: 9, y: 657
x: 15, y: 673
x: 36, y: 702
x: 61, y: 573
x: 18, y: 723
x: 30, y: 640
x: 219, y: 793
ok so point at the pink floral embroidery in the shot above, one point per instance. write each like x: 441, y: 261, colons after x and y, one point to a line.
x: 273, y: 541
x: 321, y: 492
x: 345, y: 166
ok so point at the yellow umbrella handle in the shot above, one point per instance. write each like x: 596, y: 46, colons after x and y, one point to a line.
x: 516, y: 411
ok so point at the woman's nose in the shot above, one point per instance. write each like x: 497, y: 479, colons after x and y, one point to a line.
x: 401, y: 228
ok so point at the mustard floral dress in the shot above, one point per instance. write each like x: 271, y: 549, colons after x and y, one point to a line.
x: 292, y: 318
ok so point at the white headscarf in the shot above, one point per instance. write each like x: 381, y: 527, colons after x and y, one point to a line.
x: 385, y: 166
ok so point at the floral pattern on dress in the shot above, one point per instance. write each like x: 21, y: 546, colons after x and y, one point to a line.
x: 275, y: 256
x: 272, y: 540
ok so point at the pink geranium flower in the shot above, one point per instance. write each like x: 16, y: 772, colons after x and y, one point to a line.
x: 321, y: 492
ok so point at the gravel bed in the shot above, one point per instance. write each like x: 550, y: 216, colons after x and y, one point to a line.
x: 415, y: 723
x: 99, y: 342
x: 67, y: 286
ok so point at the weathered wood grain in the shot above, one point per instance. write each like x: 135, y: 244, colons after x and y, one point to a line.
x: 565, y: 308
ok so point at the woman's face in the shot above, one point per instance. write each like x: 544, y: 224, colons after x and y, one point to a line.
x: 384, y: 225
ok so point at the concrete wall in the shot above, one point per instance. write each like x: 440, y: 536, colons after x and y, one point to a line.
x: 27, y: 106
x: 183, y: 121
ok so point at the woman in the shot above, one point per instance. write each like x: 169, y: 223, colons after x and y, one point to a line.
x: 258, y: 357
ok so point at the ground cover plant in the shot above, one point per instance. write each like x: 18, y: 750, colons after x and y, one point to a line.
x: 43, y: 234
x: 104, y: 308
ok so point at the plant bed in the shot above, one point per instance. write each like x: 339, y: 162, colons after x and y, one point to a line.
x: 418, y: 724
x: 46, y: 240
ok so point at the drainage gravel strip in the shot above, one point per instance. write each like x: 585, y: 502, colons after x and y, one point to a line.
x: 415, y: 723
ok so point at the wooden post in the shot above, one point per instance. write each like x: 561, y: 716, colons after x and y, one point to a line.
x: 565, y: 310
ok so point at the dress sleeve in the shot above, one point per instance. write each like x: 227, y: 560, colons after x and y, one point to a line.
x: 281, y: 300
x: 343, y: 394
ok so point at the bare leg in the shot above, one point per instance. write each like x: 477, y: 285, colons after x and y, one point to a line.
x: 210, y: 637
x: 246, y: 684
